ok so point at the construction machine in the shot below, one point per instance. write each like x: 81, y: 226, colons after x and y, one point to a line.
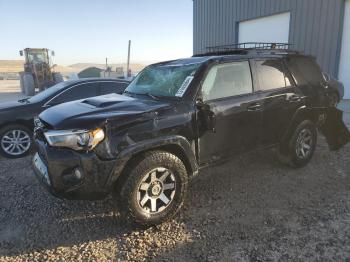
x: 38, y: 71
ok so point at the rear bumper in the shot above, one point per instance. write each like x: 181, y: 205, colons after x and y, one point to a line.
x: 73, y: 175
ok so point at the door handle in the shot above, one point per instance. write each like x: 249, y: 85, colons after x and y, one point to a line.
x: 254, y: 107
x: 293, y: 98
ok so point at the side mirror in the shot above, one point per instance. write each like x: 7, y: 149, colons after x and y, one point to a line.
x: 21, y: 53
x: 52, y: 53
x: 206, y: 116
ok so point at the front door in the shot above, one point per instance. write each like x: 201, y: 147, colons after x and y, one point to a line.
x: 228, y: 92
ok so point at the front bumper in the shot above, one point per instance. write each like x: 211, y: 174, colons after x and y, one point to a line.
x: 72, y: 175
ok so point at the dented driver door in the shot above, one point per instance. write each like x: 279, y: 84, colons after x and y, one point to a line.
x: 230, y: 114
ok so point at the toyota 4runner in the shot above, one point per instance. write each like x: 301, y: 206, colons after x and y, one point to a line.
x: 179, y: 116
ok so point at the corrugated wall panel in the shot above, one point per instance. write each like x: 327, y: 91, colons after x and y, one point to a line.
x: 315, y: 24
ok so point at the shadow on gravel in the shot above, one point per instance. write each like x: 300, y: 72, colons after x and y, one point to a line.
x: 251, y: 208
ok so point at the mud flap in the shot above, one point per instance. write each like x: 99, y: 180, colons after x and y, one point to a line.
x: 334, y: 129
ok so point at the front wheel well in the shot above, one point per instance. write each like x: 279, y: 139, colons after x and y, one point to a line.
x: 18, y: 122
x: 170, y: 148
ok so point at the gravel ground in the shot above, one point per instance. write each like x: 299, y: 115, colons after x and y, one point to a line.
x: 251, y: 209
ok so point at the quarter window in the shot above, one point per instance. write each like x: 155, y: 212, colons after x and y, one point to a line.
x: 112, y: 87
x: 226, y: 80
x: 305, y: 70
x: 271, y: 74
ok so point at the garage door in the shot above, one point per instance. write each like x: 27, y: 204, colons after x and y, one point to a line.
x: 270, y: 29
x: 344, y: 67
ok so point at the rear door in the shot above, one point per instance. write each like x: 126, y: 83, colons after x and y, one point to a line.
x: 280, y: 98
x: 228, y: 91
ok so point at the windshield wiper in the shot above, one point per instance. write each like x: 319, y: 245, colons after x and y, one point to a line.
x: 151, y: 96
x: 143, y: 94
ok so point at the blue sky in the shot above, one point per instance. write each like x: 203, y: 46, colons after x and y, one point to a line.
x: 89, y: 31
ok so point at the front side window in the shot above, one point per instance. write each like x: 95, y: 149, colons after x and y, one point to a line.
x: 50, y: 92
x: 226, y: 80
x: 164, y: 80
x: 271, y: 74
x: 76, y: 93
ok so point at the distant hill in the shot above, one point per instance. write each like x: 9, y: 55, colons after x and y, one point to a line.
x: 15, y: 66
x: 134, y: 67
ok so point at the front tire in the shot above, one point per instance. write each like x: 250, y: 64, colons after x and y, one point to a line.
x: 154, y: 188
x: 301, y: 145
x: 15, y: 141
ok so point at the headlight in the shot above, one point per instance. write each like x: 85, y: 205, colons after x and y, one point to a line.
x: 77, y: 140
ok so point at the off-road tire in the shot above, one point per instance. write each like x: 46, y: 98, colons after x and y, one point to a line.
x: 28, y: 84
x: 126, y: 192
x: 8, y: 128
x: 57, y: 78
x: 289, y: 155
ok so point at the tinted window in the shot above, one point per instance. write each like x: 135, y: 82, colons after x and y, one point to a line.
x: 112, y: 87
x: 305, y: 70
x: 227, y: 80
x: 77, y: 92
x: 271, y: 74
x: 50, y: 92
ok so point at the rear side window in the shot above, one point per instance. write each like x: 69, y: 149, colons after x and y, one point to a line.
x: 77, y: 92
x: 112, y: 87
x: 305, y: 70
x: 226, y: 80
x: 271, y: 74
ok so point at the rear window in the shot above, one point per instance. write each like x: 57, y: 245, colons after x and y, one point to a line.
x: 305, y: 70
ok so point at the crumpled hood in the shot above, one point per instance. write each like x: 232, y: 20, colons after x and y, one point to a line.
x: 92, y: 112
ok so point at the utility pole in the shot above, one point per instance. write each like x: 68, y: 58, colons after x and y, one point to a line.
x: 106, y: 67
x: 128, y: 64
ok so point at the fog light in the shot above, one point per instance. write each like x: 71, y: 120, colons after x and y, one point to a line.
x: 72, y: 178
x: 78, y: 174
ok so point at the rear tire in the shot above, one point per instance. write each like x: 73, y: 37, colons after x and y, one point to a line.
x: 20, y: 137
x: 28, y: 84
x: 154, y: 188
x: 301, y: 145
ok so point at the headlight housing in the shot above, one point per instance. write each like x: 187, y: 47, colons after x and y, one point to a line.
x: 75, y: 139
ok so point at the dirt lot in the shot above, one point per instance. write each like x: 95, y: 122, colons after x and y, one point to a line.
x: 10, y: 90
x: 251, y: 209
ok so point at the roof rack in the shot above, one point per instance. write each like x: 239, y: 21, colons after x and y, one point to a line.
x: 250, y: 47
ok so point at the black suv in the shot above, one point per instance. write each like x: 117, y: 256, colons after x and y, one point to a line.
x: 179, y: 116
